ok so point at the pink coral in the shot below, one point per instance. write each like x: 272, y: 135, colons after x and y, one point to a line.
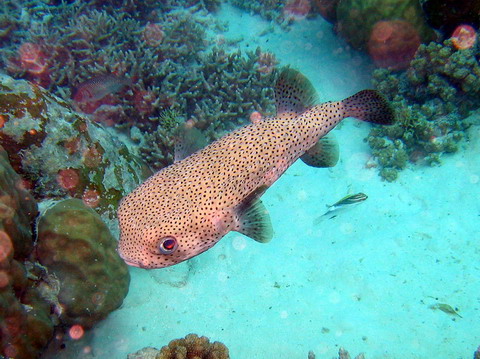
x: 32, y: 58
x: 297, y: 9
x: 153, y: 34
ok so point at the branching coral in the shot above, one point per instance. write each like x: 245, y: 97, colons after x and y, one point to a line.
x: 218, y: 96
x: 168, y: 62
x: 268, y: 9
x: 432, y: 98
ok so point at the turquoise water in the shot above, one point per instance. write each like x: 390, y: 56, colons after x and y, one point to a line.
x: 377, y: 278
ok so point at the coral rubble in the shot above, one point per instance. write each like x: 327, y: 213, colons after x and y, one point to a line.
x: 76, y: 247
x: 432, y: 99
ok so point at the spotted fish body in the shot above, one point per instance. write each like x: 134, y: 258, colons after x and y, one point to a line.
x: 186, y: 208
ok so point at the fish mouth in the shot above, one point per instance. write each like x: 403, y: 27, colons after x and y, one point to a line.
x: 127, y: 261
x: 133, y: 264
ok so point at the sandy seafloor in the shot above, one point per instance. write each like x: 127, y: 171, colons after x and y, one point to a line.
x: 363, y: 280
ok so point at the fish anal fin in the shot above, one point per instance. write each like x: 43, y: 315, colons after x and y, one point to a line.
x: 294, y: 94
x: 253, y: 218
x: 323, y: 154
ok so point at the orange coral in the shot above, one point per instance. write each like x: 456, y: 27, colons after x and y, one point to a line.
x: 193, y: 347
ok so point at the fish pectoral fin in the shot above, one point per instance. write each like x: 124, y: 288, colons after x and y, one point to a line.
x: 323, y: 154
x: 294, y: 94
x: 188, y: 140
x: 254, y: 221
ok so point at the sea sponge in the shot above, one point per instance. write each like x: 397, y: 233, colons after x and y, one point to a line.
x: 77, y: 248
x: 393, y: 44
x: 193, y: 347
x: 356, y: 18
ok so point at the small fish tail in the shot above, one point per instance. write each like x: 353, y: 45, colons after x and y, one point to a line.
x: 369, y: 106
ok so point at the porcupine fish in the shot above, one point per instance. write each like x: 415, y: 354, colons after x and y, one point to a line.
x: 187, y: 207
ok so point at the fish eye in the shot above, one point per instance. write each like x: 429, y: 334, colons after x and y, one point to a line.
x: 168, y: 245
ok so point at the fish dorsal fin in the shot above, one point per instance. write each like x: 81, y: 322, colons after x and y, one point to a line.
x: 294, y: 94
x: 188, y: 140
x: 254, y: 220
x: 323, y: 154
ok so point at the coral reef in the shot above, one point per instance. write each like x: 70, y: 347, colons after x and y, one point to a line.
x: 25, y: 322
x: 166, y: 63
x: 190, y: 347
x: 82, y: 279
x: 432, y: 99
x: 476, y: 355
x: 78, y: 251
x: 60, y: 152
x: 236, y: 85
x: 268, y: 9
x: 356, y: 18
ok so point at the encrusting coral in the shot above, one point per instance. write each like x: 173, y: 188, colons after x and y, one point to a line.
x: 61, y: 152
x: 432, y: 98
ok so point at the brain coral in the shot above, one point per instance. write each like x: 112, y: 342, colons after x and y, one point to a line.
x: 193, y: 347
x: 77, y: 248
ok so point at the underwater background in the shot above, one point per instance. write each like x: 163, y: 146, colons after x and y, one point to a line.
x: 91, y: 96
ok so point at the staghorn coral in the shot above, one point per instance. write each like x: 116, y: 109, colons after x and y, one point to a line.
x: 82, y: 43
x: 433, y: 98
x: 219, y: 96
x: 268, y: 9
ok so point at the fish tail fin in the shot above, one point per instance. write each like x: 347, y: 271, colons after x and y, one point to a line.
x: 369, y: 106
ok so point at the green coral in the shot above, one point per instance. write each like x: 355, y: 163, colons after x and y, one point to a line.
x: 77, y: 248
x: 432, y: 99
